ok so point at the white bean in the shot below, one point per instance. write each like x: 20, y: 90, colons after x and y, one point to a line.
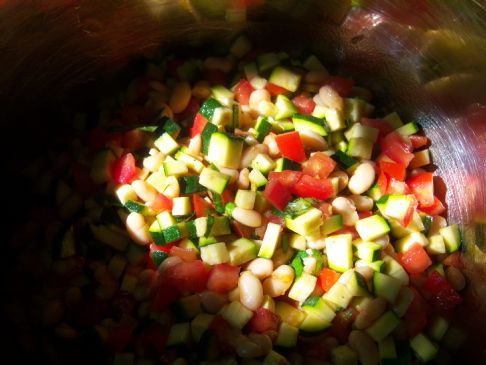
x: 346, y: 208
x: 250, y: 153
x: 212, y: 302
x: 257, y: 96
x: 366, y: 348
x: 248, y: 217
x: 331, y: 98
x: 232, y: 173
x: 279, y: 282
x: 137, y: 229
x: 195, y: 145
x: 144, y: 191
x: 361, y: 202
x: 270, y: 141
x: 251, y: 291
x: 383, y: 241
x: 365, y: 271
x: 343, y: 179
x: 180, y: 97
x: 371, y: 311
x: 310, y: 264
x: 260, y: 267
x: 234, y: 295
x: 201, y: 90
x: 312, y: 141
x: 363, y: 177
x: 243, y: 179
x: 456, y: 278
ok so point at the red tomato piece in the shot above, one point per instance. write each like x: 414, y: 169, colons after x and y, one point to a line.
x: 342, y: 85
x: 444, y: 298
x: 124, y: 170
x: 118, y: 338
x: 275, y: 90
x: 397, y: 187
x: 290, y: 146
x: 304, y: 104
x: 346, y: 230
x: 393, y: 170
x: 415, y: 318
x: 397, y: 148
x: 241, y: 230
x: 189, y: 276
x: 341, y: 325
x: 437, y: 208
x: 223, y: 278
x: 133, y: 139
x: 383, y: 127
x: 243, y: 91
x: 165, y: 295
x: 422, y: 185
x: 418, y: 141
x: 166, y: 248
x: 415, y: 260
x: 363, y: 215
x: 186, y: 254
x: 161, y: 203
x: 328, y: 278
x: 454, y: 259
x: 319, y: 165
x: 201, y: 206
x: 263, y: 320
x: 309, y: 187
x: 382, y: 182
x: 288, y: 178
x: 277, y: 194
x: 199, y: 123
x: 190, y: 111
x: 228, y: 196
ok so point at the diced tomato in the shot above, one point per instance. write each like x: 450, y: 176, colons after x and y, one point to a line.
x: 382, y: 182
x: 277, y: 194
x: 444, y: 298
x: 243, y: 91
x: 241, y: 230
x: 201, y: 206
x: 133, y: 140
x: 418, y: 141
x: 397, y: 187
x: 190, y: 111
x: 263, y: 320
x: 363, y: 215
x: 304, y: 104
x: 393, y: 170
x: 228, y: 196
x: 290, y: 146
x: 186, y: 254
x: 437, y: 208
x: 422, y: 185
x: 215, y: 76
x: 326, y: 210
x: 396, y: 148
x: 165, y: 295
x: 272, y: 218
x: 415, y: 318
x: 346, y: 230
x: 319, y: 165
x: 309, y: 187
x: 124, y: 170
x: 189, y: 276
x: 223, y: 278
x: 383, y: 127
x: 415, y: 260
x: 342, y: 85
x: 199, y: 124
x: 454, y: 259
x: 118, y: 338
x: 341, y: 325
x: 328, y: 278
x: 275, y: 90
x: 161, y: 203
x: 166, y: 248
x: 288, y: 178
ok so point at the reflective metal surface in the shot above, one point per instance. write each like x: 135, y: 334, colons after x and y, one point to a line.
x: 426, y: 58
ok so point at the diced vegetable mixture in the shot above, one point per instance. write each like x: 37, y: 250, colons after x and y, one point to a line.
x: 253, y: 209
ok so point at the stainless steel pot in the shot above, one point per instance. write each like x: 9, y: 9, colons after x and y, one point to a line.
x: 426, y: 57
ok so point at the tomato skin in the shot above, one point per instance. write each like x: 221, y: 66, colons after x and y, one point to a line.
x: 422, y: 186
x: 326, y: 210
x: 309, y: 187
x: 341, y: 85
x: 290, y: 146
x: 133, y: 140
x: 223, y: 278
x: 437, y: 208
x: 275, y: 90
x: 186, y: 254
x: 243, y: 91
x: 319, y: 165
x: 346, y: 230
x: 397, y: 187
x: 124, y: 170
x: 393, y: 170
x: 198, y: 126
x: 263, y: 320
x: 418, y: 141
x: 341, y: 325
x: 444, y: 299
x: 277, y: 194
x: 161, y: 203
x: 288, y: 178
x: 328, y: 278
x: 383, y: 127
x: 304, y: 104
x: 241, y: 230
x: 382, y: 182
x: 415, y: 260
x: 190, y: 111
x: 188, y: 276
x: 201, y: 206
x: 165, y: 295
x: 396, y: 148
x: 415, y: 318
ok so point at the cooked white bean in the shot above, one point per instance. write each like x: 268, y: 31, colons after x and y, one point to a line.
x: 371, y: 311
x: 201, y: 90
x: 251, y: 291
x: 317, y: 100
x: 195, y: 145
x: 312, y: 141
x: 212, y: 302
x: 166, y: 111
x: 366, y: 348
x: 169, y: 262
x: 346, y: 208
x: 366, y: 271
x: 180, y: 97
x: 455, y: 277
x: 218, y: 63
x: 279, y: 282
x: 361, y: 202
x: 343, y: 179
x: 316, y: 76
x: 248, y: 217
x: 247, y: 349
x: 244, y: 179
x: 270, y: 141
x: 250, y: 153
x: 257, y: 96
x: 363, y: 177
x: 137, y: 229
x: 310, y: 264
x: 232, y: 173
x: 263, y: 341
x: 260, y: 267
x: 153, y: 162
x: 144, y: 191
x: 234, y: 295
x: 331, y: 98
x: 383, y: 241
